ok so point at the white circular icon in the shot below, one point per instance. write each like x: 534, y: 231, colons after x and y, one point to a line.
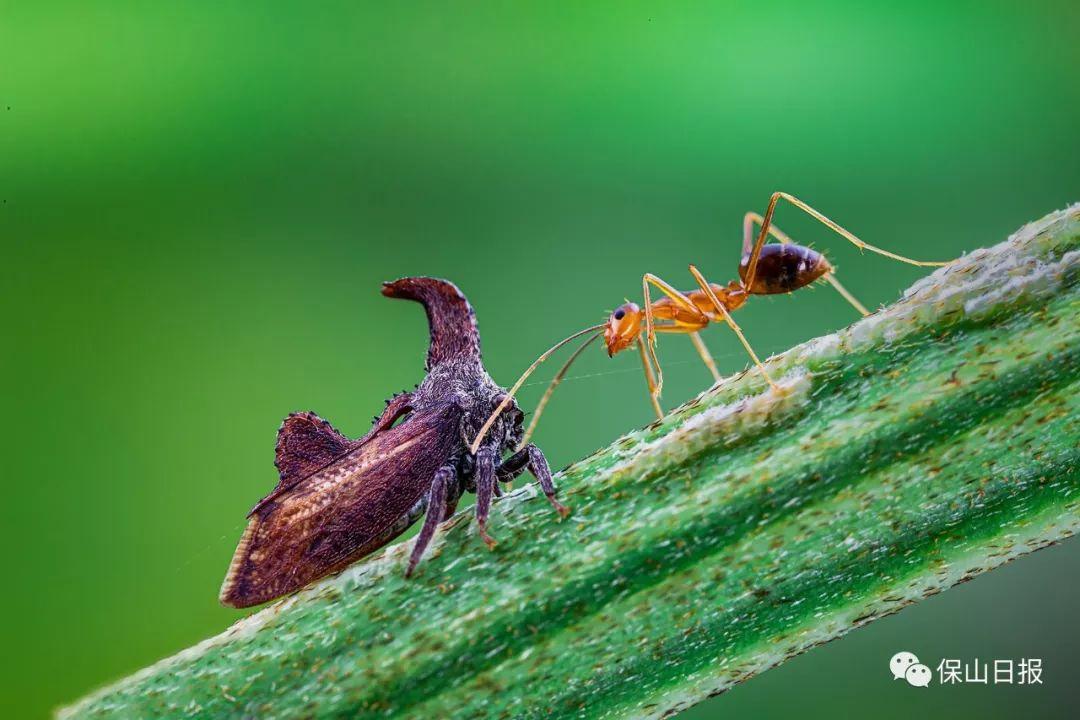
x: 900, y: 663
x: 918, y: 675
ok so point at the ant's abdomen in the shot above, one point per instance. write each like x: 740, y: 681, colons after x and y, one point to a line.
x: 782, y: 268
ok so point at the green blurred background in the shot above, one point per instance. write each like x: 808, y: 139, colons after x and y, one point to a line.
x: 199, y: 201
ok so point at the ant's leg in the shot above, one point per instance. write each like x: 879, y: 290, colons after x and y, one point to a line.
x: 830, y: 277
x: 767, y: 221
x: 707, y: 288
x: 436, y: 510
x: 650, y: 379
x: 703, y: 351
x: 695, y: 317
x: 650, y: 334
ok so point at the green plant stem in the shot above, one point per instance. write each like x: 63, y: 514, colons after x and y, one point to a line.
x: 930, y: 442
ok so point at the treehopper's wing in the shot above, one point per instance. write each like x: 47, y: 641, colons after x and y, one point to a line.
x: 342, y: 512
x: 305, y: 444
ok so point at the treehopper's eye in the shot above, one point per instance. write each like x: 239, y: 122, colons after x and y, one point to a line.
x: 620, y: 314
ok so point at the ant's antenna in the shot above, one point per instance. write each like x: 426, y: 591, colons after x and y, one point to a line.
x: 551, y: 389
x: 521, y: 380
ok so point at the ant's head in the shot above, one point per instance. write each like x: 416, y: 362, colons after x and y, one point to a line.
x: 623, y: 328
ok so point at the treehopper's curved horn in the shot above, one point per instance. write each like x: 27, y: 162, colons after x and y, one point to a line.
x: 454, y: 335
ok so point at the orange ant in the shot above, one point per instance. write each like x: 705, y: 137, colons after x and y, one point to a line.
x: 764, y: 270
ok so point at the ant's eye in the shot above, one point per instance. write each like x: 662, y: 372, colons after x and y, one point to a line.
x: 619, y: 314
